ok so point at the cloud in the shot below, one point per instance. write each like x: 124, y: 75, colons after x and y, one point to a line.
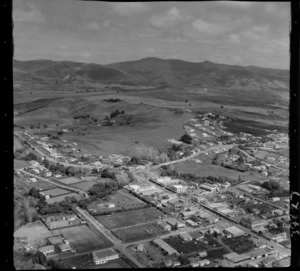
x: 130, y: 8
x: 236, y: 4
x: 93, y: 26
x: 149, y: 50
x: 256, y: 32
x: 235, y: 38
x: 205, y: 27
x: 170, y: 18
x: 31, y: 16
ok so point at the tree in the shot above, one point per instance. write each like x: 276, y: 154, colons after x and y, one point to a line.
x: 39, y: 258
x: 70, y: 171
x: 186, y: 139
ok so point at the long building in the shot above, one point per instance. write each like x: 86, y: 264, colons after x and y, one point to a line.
x: 165, y: 247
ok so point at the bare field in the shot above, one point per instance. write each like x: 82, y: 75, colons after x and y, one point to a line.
x: 129, y: 218
x: 83, y: 238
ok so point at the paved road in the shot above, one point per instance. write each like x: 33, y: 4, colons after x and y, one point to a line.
x: 55, y: 183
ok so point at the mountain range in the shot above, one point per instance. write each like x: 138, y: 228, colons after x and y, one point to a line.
x: 155, y: 72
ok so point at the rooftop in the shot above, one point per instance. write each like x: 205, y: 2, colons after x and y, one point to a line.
x: 104, y: 254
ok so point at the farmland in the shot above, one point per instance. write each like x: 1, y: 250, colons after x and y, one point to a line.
x: 139, y: 232
x: 129, y: 218
x: 83, y: 238
x: 85, y: 185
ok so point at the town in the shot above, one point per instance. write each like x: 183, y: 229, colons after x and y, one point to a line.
x: 127, y: 211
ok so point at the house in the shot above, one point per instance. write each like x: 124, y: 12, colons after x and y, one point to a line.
x: 34, y: 180
x: 140, y: 247
x: 267, y: 262
x: 172, y: 222
x: 276, y: 237
x: 64, y: 247
x: 47, y: 249
x: 208, y: 187
x: 236, y: 258
x: 212, y: 219
x: 176, y: 263
x: 197, y: 235
x: 165, y: 226
x: 204, y: 262
x: 257, y: 254
x: 177, y: 188
x: 191, y: 223
x: 203, y: 254
x: 101, y: 257
x: 185, y: 237
x: 48, y: 174
x: 275, y: 199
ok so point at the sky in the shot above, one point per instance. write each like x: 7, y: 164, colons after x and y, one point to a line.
x: 239, y: 33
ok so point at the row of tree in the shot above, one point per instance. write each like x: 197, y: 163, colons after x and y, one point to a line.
x: 149, y: 153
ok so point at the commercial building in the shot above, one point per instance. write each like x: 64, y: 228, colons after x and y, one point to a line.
x: 251, y: 222
x: 164, y: 246
x: 177, y: 188
x: 236, y: 258
x: 276, y: 237
x: 101, y: 257
x: 164, y: 181
x: 212, y: 219
x: 233, y: 231
x: 257, y: 254
x: 209, y: 187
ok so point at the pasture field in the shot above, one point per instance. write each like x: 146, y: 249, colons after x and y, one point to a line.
x: 70, y: 180
x: 202, y: 170
x: 122, y: 201
x: 83, y: 238
x: 90, y: 178
x: 40, y: 185
x: 129, y: 218
x: 139, y: 232
x: 85, y: 185
x: 188, y: 248
x: 17, y: 144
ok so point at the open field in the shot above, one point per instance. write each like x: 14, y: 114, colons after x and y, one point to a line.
x: 114, y: 264
x: 70, y: 180
x: 20, y: 164
x: 84, y: 185
x: 35, y: 233
x: 83, y: 238
x: 129, y: 218
x: 40, y: 185
x: 213, y: 170
x: 139, y: 232
x: 122, y: 201
x: 17, y: 144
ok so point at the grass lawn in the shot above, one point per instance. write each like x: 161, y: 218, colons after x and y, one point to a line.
x: 70, y: 180
x: 128, y: 218
x: 20, y: 164
x: 136, y: 233
x: 84, y: 185
x: 83, y: 238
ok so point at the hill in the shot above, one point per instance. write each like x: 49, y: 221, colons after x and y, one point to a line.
x: 154, y: 72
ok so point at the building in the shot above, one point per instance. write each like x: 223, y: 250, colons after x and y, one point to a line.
x: 212, y: 219
x: 165, y: 226
x: 172, y: 222
x: 47, y: 249
x: 217, y: 205
x: 64, y: 247
x: 251, y: 222
x: 208, y: 187
x: 203, y: 254
x: 191, y: 223
x: 276, y: 237
x: 286, y: 262
x: 196, y: 235
x: 177, y: 188
x: 180, y: 225
x: 186, y: 215
x: 199, y: 199
x: 204, y: 262
x: 275, y: 199
x: 101, y: 257
x: 267, y: 262
x: 185, y: 237
x: 257, y: 254
x: 236, y: 258
x: 233, y: 231
x: 140, y: 247
x: 255, y: 187
x: 165, y: 247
